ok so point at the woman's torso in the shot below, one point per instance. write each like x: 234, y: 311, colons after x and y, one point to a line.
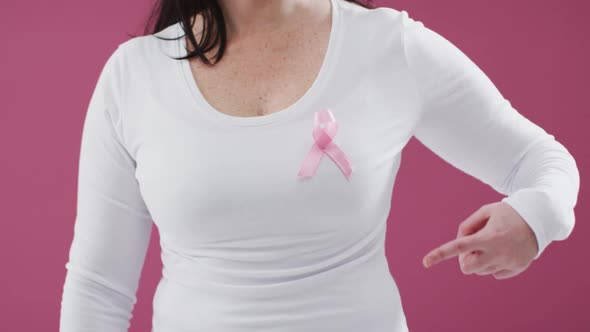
x: 247, y: 245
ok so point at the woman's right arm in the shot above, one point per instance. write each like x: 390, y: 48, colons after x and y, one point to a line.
x: 112, y: 227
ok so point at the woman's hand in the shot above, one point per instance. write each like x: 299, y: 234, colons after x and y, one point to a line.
x: 493, y: 240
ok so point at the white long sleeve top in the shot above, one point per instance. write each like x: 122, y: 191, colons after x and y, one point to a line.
x: 246, y: 243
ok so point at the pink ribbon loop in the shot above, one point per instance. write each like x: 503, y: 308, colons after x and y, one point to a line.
x: 324, y: 130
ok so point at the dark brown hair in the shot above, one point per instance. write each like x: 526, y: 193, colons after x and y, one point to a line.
x: 168, y: 12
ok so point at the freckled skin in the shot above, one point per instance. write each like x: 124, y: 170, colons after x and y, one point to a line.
x: 265, y: 72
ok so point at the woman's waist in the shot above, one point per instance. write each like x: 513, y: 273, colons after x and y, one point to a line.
x: 361, y: 262
x: 224, y: 269
x: 355, y: 294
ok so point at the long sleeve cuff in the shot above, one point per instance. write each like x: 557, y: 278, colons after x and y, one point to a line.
x: 543, y: 189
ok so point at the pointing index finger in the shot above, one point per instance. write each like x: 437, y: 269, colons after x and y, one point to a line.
x: 453, y: 248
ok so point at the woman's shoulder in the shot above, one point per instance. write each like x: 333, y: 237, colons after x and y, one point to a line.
x: 375, y: 15
x: 141, y: 58
x: 380, y: 24
x: 151, y: 47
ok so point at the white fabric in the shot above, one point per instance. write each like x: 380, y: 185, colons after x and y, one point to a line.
x: 246, y: 245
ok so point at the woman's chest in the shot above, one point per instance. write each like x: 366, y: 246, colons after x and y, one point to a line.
x: 207, y: 179
x: 206, y: 186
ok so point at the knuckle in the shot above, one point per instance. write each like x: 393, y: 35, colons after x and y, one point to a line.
x: 486, y: 207
x: 469, y: 264
x: 464, y: 268
x: 493, y: 268
x: 461, y: 227
x: 484, y: 272
x: 460, y: 246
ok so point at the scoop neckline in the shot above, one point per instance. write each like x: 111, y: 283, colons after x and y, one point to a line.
x: 297, y: 108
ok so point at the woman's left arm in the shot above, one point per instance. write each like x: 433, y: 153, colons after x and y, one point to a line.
x: 465, y: 120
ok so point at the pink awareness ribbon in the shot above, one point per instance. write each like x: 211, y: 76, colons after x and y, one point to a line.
x: 324, y: 130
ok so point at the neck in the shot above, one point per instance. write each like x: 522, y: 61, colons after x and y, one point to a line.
x: 248, y: 17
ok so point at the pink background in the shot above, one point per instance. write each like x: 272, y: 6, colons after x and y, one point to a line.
x: 536, y: 52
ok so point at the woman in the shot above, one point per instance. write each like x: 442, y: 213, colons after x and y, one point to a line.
x: 267, y: 162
